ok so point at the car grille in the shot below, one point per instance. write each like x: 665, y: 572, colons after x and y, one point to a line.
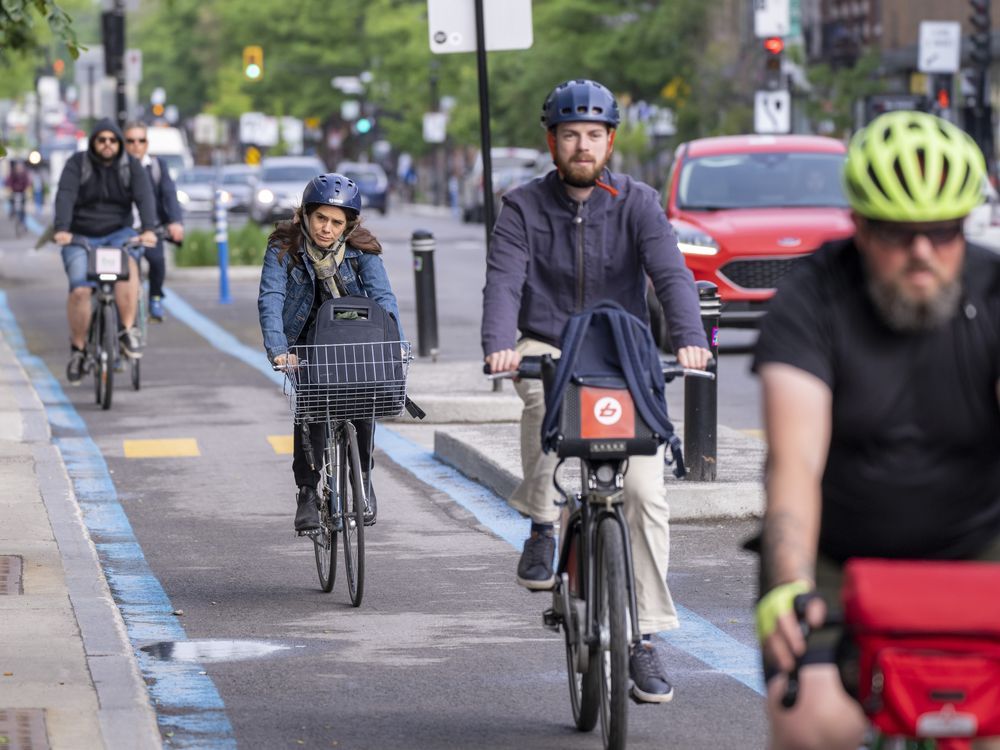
x: 758, y: 273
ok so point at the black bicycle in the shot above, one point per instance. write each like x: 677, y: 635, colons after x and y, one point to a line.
x: 331, y: 385
x: 593, y: 601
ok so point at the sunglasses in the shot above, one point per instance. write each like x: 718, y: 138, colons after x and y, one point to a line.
x: 135, y: 140
x: 105, y: 139
x: 903, y: 235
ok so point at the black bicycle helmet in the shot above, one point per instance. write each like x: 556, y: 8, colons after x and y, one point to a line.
x: 333, y: 189
x: 580, y: 100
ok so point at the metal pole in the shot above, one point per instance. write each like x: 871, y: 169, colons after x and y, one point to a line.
x: 222, y: 243
x: 484, y: 123
x: 121, y: 106
x: 701, y: 397
x: 422, y: 245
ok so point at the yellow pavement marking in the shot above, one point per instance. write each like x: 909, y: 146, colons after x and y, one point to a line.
x: 282, y: 444
x: 171, y: 448
x: 759, y: 434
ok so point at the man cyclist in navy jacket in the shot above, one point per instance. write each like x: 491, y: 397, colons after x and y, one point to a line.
x: 97, y: 189
x: 561, y: 243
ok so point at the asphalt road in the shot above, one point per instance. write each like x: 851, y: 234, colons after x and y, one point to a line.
x: 446, y: 651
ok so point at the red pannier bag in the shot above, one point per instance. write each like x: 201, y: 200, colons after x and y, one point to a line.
x: 926, y: 635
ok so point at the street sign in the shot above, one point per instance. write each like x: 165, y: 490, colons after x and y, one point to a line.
x: 940, y: 46
x: 772, y: 112
x: 435, y: 127
x: 133, y: 66
x: 771, y: 18
x: 451, y: 25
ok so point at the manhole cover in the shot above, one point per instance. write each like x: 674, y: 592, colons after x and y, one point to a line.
x: 23, y: 729
x: 10, y: 574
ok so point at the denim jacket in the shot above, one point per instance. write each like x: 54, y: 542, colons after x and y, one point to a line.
x: 287, y: 292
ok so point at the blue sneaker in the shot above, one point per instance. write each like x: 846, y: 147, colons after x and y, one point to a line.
x: 156, y: 309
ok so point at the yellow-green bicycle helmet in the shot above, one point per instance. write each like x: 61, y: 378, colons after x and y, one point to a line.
x: 913, y: 166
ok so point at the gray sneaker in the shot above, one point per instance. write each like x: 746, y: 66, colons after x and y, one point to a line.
x: 534, y: 570
x: 649, y: 678
x: 131, y: 343
x: 74, y: 369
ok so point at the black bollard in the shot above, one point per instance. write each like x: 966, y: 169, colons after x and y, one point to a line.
x: 701, y: 397
x: 422, y: 244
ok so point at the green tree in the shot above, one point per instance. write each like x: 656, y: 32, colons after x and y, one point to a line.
x: 836, y: 90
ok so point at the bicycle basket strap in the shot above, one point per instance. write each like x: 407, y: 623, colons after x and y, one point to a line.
x: 926, y: 639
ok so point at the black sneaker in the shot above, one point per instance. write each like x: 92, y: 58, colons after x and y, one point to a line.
x: 156, y: 309
x: 534, y: 570
x: 307, y: 514
x: 131, y: 343
x: 649, y: 678
x: 74, y: 370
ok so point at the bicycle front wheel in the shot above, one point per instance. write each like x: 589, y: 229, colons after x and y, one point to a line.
x: 353, y: 498
x: 325, y: 540
x: 141, y: 322
x: 611, y: 610
x: 104, y: 368
x: 584, y: 686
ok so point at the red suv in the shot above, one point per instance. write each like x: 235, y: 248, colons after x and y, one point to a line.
x: 746, y: 208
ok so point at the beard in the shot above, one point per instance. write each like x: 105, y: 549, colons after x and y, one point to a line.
x: 580, y: 174
x: 907, y: 315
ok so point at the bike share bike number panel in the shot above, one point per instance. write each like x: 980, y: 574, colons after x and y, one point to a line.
x: 108, y: 260
x: 606, y: 413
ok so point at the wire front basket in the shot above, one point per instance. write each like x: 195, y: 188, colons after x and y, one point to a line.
x: 347, y: 381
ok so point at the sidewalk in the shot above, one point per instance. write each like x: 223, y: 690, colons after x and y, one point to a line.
x: 68, y: 675
x: 476, y: 431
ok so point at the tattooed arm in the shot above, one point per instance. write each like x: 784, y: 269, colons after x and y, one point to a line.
x: 797, y: 416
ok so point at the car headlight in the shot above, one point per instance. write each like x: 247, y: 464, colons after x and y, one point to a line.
x: 225, y: 197
x: 265, y: 196
x: 691, y: 241
x: 183, y: 198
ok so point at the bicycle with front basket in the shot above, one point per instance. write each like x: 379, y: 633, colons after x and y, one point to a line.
x: 331, y: 385
x: 593, y: 601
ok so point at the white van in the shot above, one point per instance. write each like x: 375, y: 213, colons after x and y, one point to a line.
x: 171, y: 146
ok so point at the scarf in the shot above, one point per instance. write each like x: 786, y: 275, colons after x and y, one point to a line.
x: 325, y: 264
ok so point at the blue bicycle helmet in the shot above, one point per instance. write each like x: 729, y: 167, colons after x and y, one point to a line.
x: 580, y: 101
x: 333, y: 189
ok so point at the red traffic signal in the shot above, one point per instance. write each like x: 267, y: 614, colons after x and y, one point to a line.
x: 774, y: 45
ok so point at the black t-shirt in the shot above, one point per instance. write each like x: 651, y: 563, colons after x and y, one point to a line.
x: 914, y: 462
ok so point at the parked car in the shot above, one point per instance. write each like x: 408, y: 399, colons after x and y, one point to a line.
x: 511, y: 167
x: 196, y: 189
x: 279, y: 186
x: 372, y: 182
x: 238, y: 182
x: 746, y: 208
x: 171, y: 146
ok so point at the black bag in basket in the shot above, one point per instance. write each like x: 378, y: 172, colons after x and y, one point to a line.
x: 357, y: 346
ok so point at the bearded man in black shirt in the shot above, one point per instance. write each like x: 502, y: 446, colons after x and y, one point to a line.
x: 880, y: 363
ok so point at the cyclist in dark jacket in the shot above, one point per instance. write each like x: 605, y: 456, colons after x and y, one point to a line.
x: 168, y: 212
x: 561, y: 243
x: 97, y: 190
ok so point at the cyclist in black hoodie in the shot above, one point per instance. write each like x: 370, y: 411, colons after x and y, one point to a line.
x: 96, y: 191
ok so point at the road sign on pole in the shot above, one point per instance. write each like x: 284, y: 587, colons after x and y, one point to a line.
x: 772, y: 112
x: 940, y: 46
x: 452, y: 25
x: 771, y: 18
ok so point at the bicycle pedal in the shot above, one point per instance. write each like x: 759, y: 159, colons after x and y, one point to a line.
x: 311, y: 533
x: 552, y: 620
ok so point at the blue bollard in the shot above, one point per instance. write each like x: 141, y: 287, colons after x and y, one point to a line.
x: 222, y: 243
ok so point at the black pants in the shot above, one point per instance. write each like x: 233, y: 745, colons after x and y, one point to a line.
x: 306, y: 476
x: 157, y: 269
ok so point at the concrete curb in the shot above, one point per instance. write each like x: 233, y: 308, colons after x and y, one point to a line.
x: 490, y: 455
x: 460, y: 408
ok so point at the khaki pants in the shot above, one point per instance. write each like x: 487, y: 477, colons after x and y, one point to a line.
x: 646, y: 507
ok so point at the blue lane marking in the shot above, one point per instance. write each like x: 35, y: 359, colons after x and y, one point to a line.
x: 188, y: 707
x: 697, y: 636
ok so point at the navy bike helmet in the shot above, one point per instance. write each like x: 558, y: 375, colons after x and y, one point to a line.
x: 333, y: 189
x: 580, y: 101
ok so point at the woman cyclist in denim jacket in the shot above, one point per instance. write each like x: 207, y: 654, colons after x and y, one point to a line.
x: 322, y: 252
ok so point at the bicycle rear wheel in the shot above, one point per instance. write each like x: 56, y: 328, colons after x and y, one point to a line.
x: 611, y: 611
x: 104, y: 367
x: 354, y: 515
x: 325, y: 540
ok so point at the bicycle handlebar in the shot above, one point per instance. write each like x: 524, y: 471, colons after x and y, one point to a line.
x: 531, y: 369
x: 799, y: 605
x: 84, y: 242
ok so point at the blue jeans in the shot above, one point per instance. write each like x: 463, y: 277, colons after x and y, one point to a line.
x: 74, y: 257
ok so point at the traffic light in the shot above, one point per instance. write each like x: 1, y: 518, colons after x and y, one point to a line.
x: 980, y: 37
x: 253, y: 62
x: 774, y: 47
x: 941, y: 84
x: 363, y: 125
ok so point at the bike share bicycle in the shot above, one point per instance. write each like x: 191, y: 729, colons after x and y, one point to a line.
x: 594, y: 601
x: 332, y: 384
x: 106, y: 266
